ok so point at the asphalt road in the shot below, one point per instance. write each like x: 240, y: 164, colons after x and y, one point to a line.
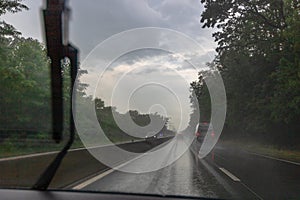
x: 267, y: 177
x: 227, y: 173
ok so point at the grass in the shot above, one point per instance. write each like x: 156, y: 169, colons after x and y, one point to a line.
x: 266, y: 149
x: 11, y: 148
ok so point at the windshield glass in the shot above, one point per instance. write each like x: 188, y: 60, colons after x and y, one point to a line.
x: 186, y: 98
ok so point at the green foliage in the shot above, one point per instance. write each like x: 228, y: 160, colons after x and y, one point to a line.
x: 202, y: 94
x: 106, y: 120
x: 25, y: 94
x: 25, y: 85
x: 258, y: 56
x: 11, y: 6
x: 287, y: 91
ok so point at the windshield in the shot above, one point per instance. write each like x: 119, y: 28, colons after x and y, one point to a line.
x: 171, y: 97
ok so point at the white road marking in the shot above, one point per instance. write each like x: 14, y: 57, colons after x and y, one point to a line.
x: 100, y: 176
x: 248, y: 188
x: 273, y: 158
x: 92, y: 180
x: 55, y: 152
x: 218, y: 177
x: 237, y: 179
x: 233, y: 177
x: 28, y: 156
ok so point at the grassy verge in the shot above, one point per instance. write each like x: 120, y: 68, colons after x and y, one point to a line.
x: 9, y: 149
x: 76, y: 166
x: 265, y: 149
x: 18, y: 148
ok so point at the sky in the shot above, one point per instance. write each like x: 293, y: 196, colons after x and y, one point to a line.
x: 147, y: 80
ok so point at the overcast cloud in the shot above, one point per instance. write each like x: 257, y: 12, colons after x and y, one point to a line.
x: 93, y: 21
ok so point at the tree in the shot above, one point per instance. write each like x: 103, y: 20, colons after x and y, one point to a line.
x: 25, y: 86
x: 12, y: 7
x: 201, y: 92
x: 258, y: 56
x: 287, y: 76
x: 253, y: 26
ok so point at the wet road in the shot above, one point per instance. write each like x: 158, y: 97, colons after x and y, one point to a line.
x: 188, y: 176
x: 267, y: 177
x: 226, y: 173
x: 180, y: 178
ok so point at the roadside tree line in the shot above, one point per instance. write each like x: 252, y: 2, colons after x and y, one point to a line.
x: 25, y: 95
x: 258, y: 56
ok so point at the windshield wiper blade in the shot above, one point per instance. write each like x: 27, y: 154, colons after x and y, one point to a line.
x: 56, y: 17
x: 46, y: 178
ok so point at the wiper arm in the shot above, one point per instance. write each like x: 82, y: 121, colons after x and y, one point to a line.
x: 47, y: 176
x: 56, y: 17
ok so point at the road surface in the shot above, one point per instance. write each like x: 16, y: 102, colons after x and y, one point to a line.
x: 225, y: 174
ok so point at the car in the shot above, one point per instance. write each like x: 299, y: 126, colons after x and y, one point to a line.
x: 108, y: 108
x: 202, y: 129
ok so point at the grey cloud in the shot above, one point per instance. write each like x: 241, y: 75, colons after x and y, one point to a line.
x: 94, y: 21
x: 143, y: 54
x: 184, y: 66
x: 148, y: 71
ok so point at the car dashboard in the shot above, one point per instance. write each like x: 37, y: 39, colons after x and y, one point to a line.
x: 9, y: 194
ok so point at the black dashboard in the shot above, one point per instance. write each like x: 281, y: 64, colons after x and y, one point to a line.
x: 12, y: 194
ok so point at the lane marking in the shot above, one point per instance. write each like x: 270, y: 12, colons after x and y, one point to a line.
x: 248, y: 188
x: 273, y: 158
x: 102, y: 175
x: 243, y: 184
x: 55, y: 152
x: 221, y: 180
x: 233, y: 177
x: 92, y: 180
x: 28, y: 156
